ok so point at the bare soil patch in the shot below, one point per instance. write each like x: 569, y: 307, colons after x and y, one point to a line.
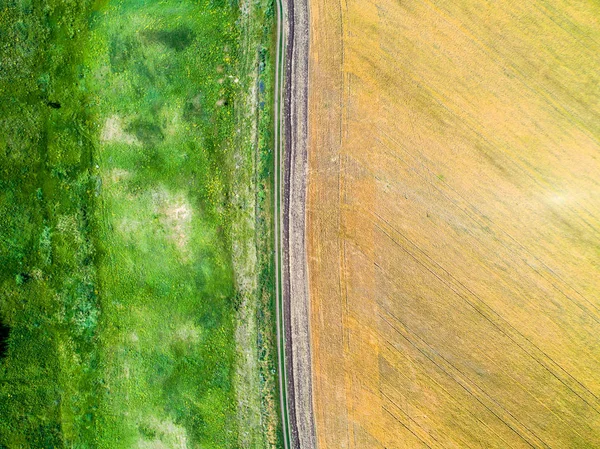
x: 113, y: 131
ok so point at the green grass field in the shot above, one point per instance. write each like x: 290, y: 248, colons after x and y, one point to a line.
x: 119, y: 123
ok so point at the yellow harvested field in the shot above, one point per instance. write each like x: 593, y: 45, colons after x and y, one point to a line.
x: 454, y: 223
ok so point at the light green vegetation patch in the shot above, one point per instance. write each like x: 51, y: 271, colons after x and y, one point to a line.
x: 163, y: 77
x: 117, y: 158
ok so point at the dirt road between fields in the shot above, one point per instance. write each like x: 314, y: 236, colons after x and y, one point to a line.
x: 294, y: 265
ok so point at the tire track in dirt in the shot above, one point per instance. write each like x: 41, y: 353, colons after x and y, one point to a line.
x: 294, y: 267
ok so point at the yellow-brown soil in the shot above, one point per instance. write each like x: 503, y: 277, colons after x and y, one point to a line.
x: 454, y: 223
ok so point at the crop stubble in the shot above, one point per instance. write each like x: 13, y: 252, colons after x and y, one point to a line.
x: 453, y: 224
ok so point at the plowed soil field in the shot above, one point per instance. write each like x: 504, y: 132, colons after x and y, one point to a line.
x: 454, y: 223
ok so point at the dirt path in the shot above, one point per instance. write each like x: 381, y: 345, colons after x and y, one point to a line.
x: 294, y: 266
